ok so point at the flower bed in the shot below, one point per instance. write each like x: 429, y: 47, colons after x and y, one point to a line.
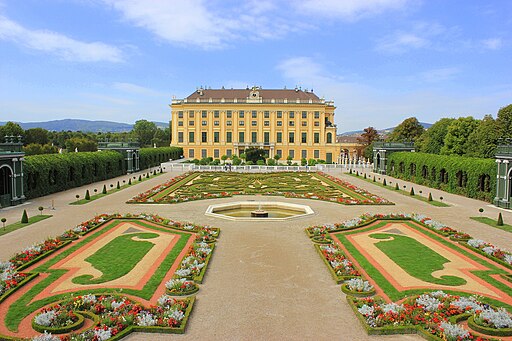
x: 432, y: 314
x: 116, y: 316
x: 490, y: 321
x: 56, y: 320
x: 340, y: 267
x: 181, y: 287
x: 358, y: 287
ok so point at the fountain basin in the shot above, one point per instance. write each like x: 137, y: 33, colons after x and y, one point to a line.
x: 258, y: 211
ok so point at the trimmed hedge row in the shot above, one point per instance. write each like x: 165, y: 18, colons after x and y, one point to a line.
x: 47, y: 174
x: 471, y: 177
x: 151, y: 157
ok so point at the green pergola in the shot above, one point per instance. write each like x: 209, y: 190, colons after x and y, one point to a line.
x: 504, y: 175
x: 130, y: 151
x: 382, y: 150
x: 11, y: 171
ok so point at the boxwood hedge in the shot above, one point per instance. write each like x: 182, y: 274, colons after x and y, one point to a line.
x: 471, y: 177
x: 50, y: 173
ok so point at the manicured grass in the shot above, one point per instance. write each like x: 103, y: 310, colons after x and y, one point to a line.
x: 392, y: 188
x: 117, y: 258
x: 25, y: 305
x: 493, y: 223
x: 396, y: 246
x: 19, y: 225
x: 113, y: 190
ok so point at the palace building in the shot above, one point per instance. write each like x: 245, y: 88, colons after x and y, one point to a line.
x: 287, y: 122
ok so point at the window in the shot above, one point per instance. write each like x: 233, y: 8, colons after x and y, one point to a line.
x: 254, y: 137
x: 266, y: 123
x: 229, y: 113
x: 216, y: 123
x: 279, y: 114
x: 241, y: 114
x: 317, y: 124
x: 241, y: 136
x: 317, y: 114
x: 304, y: 154
x: 279, y: 123
x: 191, y: 114
x: 266, y: 114
x: 216, y: 153
x: 203, y: 153
x: 304, y: 123
x: 316, y: 154
x: 228, y: 152
x: 204, y: 136
x: 254, y: 123
x: 241, y: 123
x: 216, y: 114
x: 329, y: 137
x: 190, y: 123
x: 204, y: 114
x: 291, y: 153
x: 291, y: 137
x: 279, y: 152
x: 229, y: 123
x: 279, y: 137
x: 304, y: 138
x: 180, y: 137
x: 216, y: 137
x: 180, y: 114
x: 180, y: 123
x: 254, y: 114
x: 203, y: 123
x: 191, y: 137
x: 266, y: 137
x: 291, y: 114
x: 191, y: 153
x: 291, y: 123
x: 316, y: 138
x: 229, y: 137
x: 304, y: 114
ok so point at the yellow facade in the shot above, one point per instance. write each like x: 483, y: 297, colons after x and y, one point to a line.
x: 296, y: 123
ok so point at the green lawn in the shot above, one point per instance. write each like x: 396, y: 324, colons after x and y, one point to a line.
x: 117, y: 258
x: 420, y: 263
x: 493, y: 223
x: 392, y: 188
x: 19, y: 225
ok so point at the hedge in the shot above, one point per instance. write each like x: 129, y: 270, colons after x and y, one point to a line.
x: 471, y: 177
x: 151, y: 157
x: 51, y: 173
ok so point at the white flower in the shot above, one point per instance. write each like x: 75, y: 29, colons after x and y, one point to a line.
x: 102, y: 334
x: 476, y: 243
x: 116, y: 304
x: 490, y: 250
x: 392, y: 308
x: 45, y: 319
x: 145, y: 319
x: 366, y: 310
x: 357, y: 284
x: 428, y: 302
x: 454, y: 332
x: 91, y: 299
x: 176, y: 314
x: 467, y: 302
x: 508, y: 258
x: 438, y: 294
x: 496, y: 318
x: 46, y: 337
x: 183, y: 272
x: 166, y: 301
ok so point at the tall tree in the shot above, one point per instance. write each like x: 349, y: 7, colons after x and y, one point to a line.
x: 369, y: 135
x: 36, y: 135
x: 409, y: 130
x: 483, y: 140
x: 144, y: 131
x: 432, y: 140
x: 456, y: 140
x: 11, y: 129
x: 504, y: 122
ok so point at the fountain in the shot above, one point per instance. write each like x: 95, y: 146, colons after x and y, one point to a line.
x: 259, y: 213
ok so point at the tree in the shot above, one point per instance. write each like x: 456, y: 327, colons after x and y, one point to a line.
x: 456, y: 140
x: 82, y: 144
x: 255, y: 154
x: 11, y: 129
x: 409, y: 130
x: 368, y: 136
x: 36, y: 135
x: 504, y: 122
x: 224, y: 158
x: 289, y: 160
x: 162, y: 137
x: 432, y: 140
x: 144, y: 131
x: 24, y: 217
x: 277, y: 157
x: 483, y: 140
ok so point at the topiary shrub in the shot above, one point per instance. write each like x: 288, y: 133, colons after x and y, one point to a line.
x: 118, y: 185
x: 364, y: 177
x: 500, y: 220
x: 396, y: 187
x: 104, y: 191
x: 87, y: 195
x: 24, y: 217
x: 412, y: 191
x: 384, y: 182
x: 140, y: 177
x: 429, y: 197
x: 130, y: 181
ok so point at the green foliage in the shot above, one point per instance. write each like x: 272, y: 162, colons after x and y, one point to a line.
x: 104, y: 191
x: 129, y: 181
x: 37, y: 149
x: 500, y: 220
x: 87, y: 195
x: 504, y: 122
x: 412, y: 191
x: 456, y: 140
x: 383, y: 182
x: 483, y: 140
x: 471, y: 177
x: 303, y: 162
x: 369, y: 135
x: 429, y: 197
x: 81, y: 144
x: 396, y: 187
x: 432, y: 140
x: 10, y: 129
x: 151, y: 157
x: 24, y: 217
x: 255, y: 154
x: 271, y: 162
x: 36, y: 136
x: 409, y: 130
x: 144, y: 131
x: 260, y: 163
x: 118, y: 185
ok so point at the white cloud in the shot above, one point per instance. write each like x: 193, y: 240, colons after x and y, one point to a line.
x: 493, y: 43
x: 439, y: 75
x: 135, y: 89
x: 58, y: 44
x: 351, y: 9
x: 420, y: 35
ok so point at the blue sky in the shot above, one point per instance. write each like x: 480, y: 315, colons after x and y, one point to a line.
x: 381, y: 61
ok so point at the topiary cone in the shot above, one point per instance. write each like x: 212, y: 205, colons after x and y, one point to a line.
x: 384, y: 182
x: 130, y: 181
x: 429, y: 197
x: 118, y: 185
x: 87, y: 195
x: 104, y: 189
x: 374, y: 178
x: 364, y: 176
x: 396, y: 187
x: 500, y: 220
x: 24, y: 217
x: 140, y: 177
x: 412, y: 191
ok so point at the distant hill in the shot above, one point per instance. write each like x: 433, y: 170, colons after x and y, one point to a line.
x: 83, y: 125
x: 381, y: 131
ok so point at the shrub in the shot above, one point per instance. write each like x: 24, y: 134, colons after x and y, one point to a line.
x: 396, y: 187
x: 384, y: 182
x: 130, y: 181
x: 87, y: 195
x: 24, y: 217
x: 412, y: 191
x: 500, y: 220
x: 140, y: 177
x: 104, y: 191
x: 118, y: 185
x: 429, y: 197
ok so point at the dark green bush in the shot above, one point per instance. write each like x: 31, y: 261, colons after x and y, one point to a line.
x: 24, y: 217
x: 151, y: 157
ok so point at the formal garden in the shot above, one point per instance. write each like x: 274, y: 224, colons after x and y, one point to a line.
x: 406, y: 273
x: 306, y: 185
x: 104, y: 278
